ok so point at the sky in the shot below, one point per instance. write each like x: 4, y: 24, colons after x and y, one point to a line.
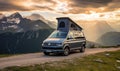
x: 75, y: 9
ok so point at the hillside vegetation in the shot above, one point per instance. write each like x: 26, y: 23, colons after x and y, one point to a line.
x: 23, y: 42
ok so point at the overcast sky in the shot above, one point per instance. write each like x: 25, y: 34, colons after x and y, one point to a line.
x: 76, y: 9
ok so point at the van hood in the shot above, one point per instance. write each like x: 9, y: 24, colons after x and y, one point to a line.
x: 55, y: 40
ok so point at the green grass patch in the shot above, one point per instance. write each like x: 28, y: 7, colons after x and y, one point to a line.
x: 107, y: 61
x: 5, y: 55
x: 93, y: 46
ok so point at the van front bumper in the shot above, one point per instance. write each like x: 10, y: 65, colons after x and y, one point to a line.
x: 53, y: 49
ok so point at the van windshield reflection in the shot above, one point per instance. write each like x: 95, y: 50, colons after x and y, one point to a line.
x: 58, y: 34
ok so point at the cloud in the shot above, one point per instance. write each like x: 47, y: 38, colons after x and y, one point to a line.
x: 118, y: 15
x: 25, y: 5
x: 61, y: 6
x: 42, y: 7
x: 89, y: 3
x: 43, y: 4
x: 85, y: 6
x: 44, y: 1
x: 1, y: 14
x: 12, y: 5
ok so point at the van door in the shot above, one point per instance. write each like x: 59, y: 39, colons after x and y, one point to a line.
x: 80, y: 39
x: 76, y: 40
x: 71, y: 41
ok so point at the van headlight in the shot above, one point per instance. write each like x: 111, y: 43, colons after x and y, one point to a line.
x: 42, y: 44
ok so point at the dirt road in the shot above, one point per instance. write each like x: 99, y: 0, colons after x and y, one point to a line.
x: 38, y: 58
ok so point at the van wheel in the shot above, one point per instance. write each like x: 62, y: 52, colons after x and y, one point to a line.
x: 46, y: 53
x: 66, y: 51
x: 82, y: 49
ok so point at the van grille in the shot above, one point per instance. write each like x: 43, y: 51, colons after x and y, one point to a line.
x: 52, y: 48
x: 49, y: 44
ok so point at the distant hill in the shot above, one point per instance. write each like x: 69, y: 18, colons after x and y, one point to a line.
x: 109, y: 39
x: 35, y: 17
x: 115, y: 25
x: 90, y: 44
x: 95, y: 29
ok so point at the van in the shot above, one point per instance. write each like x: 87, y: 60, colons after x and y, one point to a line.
x: 67, y: 37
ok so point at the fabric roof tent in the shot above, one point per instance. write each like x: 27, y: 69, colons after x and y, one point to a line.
x: 66, y: 24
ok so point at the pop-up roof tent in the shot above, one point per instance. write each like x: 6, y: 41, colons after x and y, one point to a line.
x: 66, y: 24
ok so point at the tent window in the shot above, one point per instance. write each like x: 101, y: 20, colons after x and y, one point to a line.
x: 62, y: 25
x: 73, y: 27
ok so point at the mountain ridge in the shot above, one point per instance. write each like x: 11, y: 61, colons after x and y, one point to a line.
x: 16, y: 23
x: 109, y: 39
x: 36, y: 16
x: 95, y: 29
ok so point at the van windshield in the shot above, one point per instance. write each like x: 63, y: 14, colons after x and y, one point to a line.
x: 58, y: 34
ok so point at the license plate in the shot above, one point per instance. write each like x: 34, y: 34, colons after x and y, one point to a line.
x: 48, y: 51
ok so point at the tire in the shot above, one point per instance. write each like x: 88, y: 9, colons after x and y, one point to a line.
x: 66, y: 52
x: 82, y: 49
x: 46, y: 53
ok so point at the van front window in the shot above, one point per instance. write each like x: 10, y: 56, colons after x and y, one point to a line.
x: 58, y: 34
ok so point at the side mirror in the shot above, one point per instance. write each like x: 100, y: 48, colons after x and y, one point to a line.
x: 69, y: 38
x: 79, y: 37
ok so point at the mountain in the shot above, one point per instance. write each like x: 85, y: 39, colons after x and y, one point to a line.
x: 16, y: 23
x: 15, y: 15
x: 35, y: 17
x: 40, y: 24
x: 109, y: 39
x: 14, y: 18
x: 22, y: 35
x: 2, y: 16
x: 90, y: 44
x: 95, y: 29
x: 100, y: 28
x: 115, y: 25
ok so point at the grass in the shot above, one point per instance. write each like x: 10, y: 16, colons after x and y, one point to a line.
x: 107, y: 61
x: 8, y: 55
x: 93, y: 46
x: 5, y: 55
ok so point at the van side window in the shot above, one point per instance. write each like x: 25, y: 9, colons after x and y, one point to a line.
x: 78, y: 35
x: 70, y: 35
x: 81, y: 34
x: 62, y: 24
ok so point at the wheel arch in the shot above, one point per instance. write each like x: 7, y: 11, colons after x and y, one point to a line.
x: 66, y: 46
